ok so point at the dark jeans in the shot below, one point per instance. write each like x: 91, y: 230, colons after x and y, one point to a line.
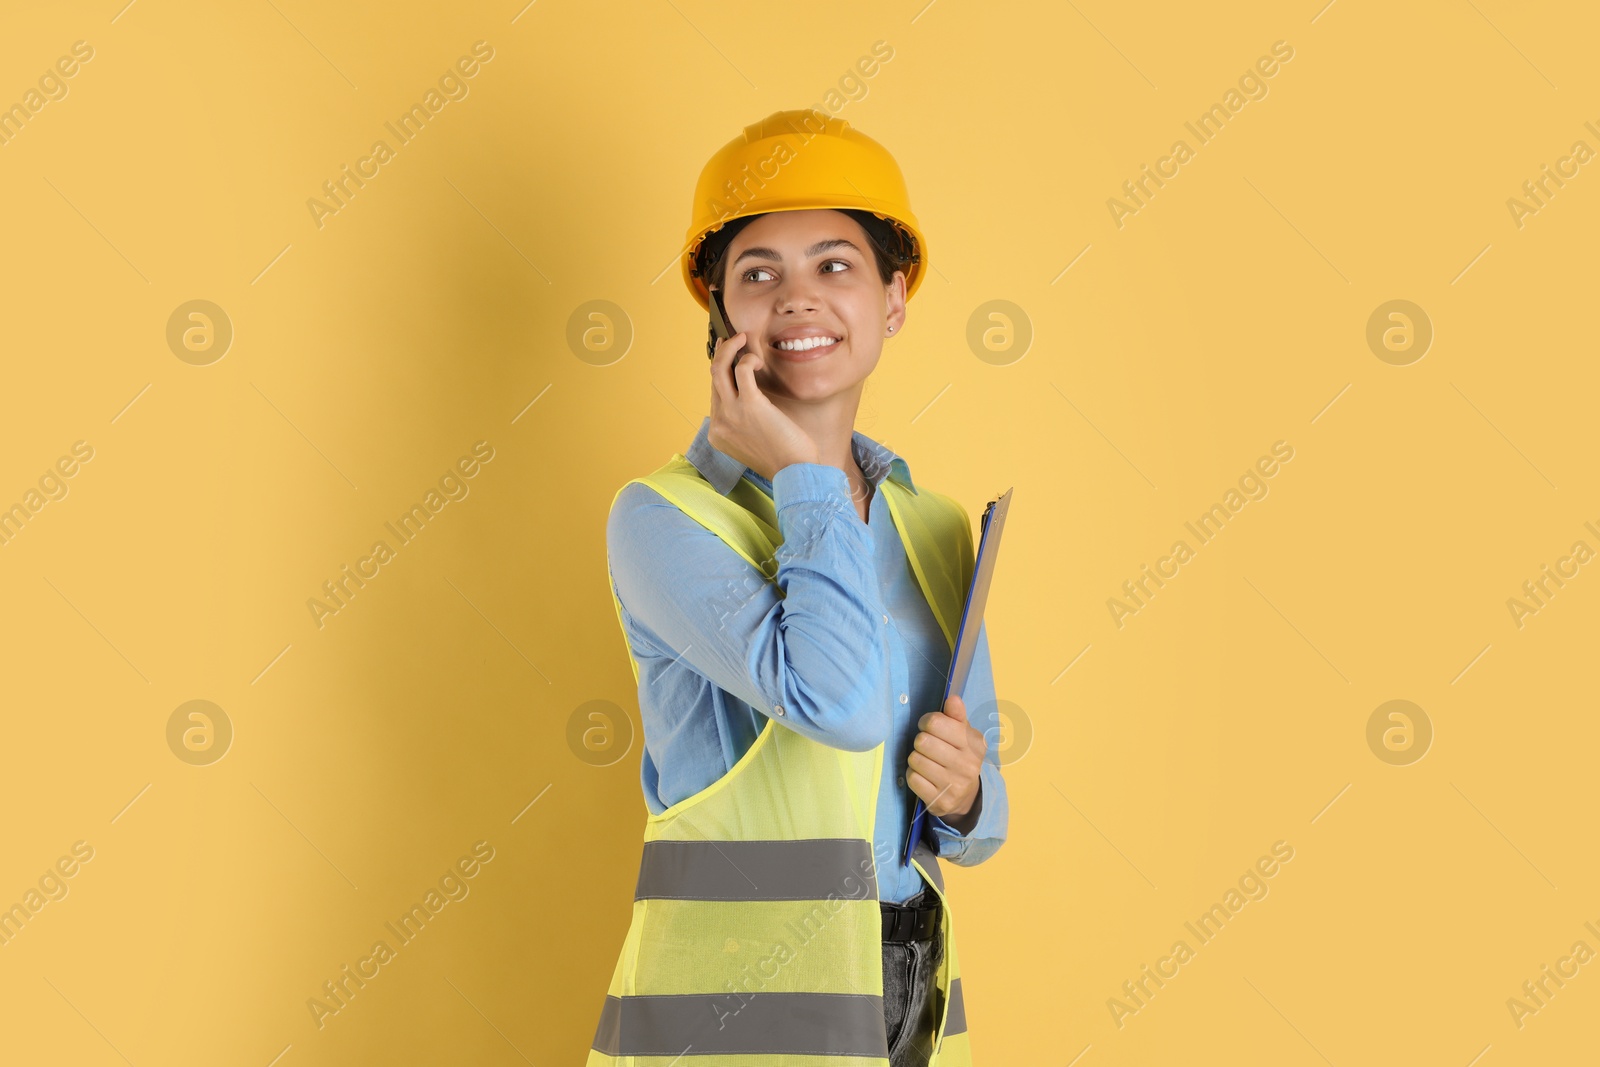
x: 911, y: 994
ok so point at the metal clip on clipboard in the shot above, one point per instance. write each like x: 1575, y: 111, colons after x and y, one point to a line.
x: 993, y: 522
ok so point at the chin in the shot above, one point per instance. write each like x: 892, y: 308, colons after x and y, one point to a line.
x: 815, y: 392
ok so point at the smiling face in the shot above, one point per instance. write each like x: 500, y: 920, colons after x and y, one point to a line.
x: 795, y: 276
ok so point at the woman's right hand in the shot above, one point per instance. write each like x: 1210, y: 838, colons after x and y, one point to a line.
x: 745, y: 424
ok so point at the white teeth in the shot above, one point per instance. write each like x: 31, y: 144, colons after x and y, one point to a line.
x: 804, y: 343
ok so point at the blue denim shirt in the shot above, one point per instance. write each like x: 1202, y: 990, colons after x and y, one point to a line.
x: 850, y: 656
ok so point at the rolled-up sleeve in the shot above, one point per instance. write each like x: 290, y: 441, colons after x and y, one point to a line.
x: 988, y: 833
x: 808, y: 649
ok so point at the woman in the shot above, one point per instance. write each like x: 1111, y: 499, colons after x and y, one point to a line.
x: 790, y: 598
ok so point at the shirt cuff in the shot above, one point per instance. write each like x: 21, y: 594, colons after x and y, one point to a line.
x: 810, y: 483
x: 952, y: 841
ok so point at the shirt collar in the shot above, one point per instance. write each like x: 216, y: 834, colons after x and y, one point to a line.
x: 723, y: 471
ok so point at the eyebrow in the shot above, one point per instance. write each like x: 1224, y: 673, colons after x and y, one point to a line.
x: 815, y: 250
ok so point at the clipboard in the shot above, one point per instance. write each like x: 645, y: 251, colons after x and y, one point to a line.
x: 993, y: 524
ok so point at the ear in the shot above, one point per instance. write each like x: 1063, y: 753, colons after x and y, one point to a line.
x: 894, y: 298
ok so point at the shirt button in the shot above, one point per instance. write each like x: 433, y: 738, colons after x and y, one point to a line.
x: 886, y: 618
x: 778, y: 709
x: 904, y: 698
x: 902, y: 779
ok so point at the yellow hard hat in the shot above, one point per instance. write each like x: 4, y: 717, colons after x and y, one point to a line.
x: 795, y: 161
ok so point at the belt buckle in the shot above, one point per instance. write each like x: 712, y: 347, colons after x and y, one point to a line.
x: 910, y: 923
x: 897, y: 922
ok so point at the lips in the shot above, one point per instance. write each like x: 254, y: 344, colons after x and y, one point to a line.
x: 805, y: 355
x: 809, y: 332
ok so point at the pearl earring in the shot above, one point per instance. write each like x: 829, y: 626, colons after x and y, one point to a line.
x: 891, y: 329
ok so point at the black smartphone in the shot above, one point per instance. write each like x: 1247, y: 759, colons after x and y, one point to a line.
x: 721, y: 329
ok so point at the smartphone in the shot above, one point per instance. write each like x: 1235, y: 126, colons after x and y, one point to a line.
x: 721, y: 329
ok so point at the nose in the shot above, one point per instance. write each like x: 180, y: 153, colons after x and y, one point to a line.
x: 796, y: 294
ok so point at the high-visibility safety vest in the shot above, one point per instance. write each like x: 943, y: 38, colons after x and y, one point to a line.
x: 756, y: 938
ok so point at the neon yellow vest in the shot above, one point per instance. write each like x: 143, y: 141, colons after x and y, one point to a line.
x: 756, y: 938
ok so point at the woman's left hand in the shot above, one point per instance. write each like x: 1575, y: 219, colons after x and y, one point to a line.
x: 946, y: 758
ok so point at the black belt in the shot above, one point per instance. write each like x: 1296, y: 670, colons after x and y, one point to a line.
x: 902, y: 923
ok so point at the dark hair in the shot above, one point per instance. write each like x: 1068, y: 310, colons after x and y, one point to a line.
x: 893, y: 248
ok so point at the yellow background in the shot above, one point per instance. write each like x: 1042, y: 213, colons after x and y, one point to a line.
x: 432, y: 312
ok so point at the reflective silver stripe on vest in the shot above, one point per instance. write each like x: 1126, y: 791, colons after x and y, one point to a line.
x: 797, y: 1024
x: 807, y: 869
x: 955, y: 1021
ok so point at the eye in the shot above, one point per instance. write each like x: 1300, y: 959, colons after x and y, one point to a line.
x: 843, y: 262
x: 746, y: 275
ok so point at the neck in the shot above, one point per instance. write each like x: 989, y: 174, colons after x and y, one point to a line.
x: 831, y: 424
